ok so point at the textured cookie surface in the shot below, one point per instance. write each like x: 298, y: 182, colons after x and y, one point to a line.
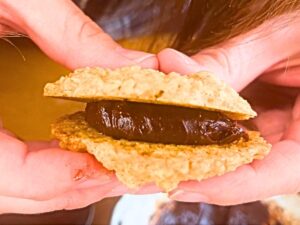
x: 137, y: 163
x: 199, y: 90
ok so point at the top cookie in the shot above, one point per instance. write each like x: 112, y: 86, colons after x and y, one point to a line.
x: 200, y: 90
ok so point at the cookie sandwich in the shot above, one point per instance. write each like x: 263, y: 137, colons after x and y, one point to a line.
x: 148, y: 126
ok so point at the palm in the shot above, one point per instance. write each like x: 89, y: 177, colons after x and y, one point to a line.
x: 29, y: 185
x: 275, y: 96
x: 275, y: 106
x: 278, y: 121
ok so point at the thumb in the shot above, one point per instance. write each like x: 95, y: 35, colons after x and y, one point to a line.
x: 45, y: 173
x: 240, y: 60
x: 277, y: 174
x: 68, y: 36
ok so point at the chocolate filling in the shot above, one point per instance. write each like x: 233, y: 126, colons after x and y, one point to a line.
x: 171, y: 213
x: 162, y: 123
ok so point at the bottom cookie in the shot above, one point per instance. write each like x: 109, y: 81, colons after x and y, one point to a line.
x: 139, y: 163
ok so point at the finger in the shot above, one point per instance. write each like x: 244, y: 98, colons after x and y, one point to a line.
x: 68, y: 36
x: 5, y: 30
x: 284, y: 73
x: 118, y: 190
x: 38, y: 145
x: 291, y: 61
x: 247, y: 56
x: 227, y: 66
x: 277, y: 174
x: 293, y: 130
x: 52, y: 171
x: 273, y: 121
x: 240, y: 60
x: 296, y: 109
x: 78, y: 198
x: 288, y: 76
x: 274, y: 137
x: 175, y: 61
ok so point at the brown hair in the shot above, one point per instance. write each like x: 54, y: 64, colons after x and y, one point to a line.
x: 186, y: 25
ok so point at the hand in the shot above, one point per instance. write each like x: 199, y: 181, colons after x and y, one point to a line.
x: 38, y: 177
x: 66, y: 35
x: 271, y: 52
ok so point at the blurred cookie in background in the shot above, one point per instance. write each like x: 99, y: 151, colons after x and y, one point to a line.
x: 157, y: 209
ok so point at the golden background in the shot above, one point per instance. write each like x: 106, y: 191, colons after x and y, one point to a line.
x: 24, y: 72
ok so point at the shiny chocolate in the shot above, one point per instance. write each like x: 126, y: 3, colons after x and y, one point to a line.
x: 174, y: 213
x: 164, y: 124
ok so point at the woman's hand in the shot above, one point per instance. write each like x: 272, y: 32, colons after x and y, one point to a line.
x: 272, y: 52
x: 66, y: 35
x: 38, y: 176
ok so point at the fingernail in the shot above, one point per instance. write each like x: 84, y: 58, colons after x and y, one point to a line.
x: 144, y: 58
x: 148, y: 61
x: 186, y: 59
x: 136, y: 56
x: 181, y: 195
x: 186, y: 64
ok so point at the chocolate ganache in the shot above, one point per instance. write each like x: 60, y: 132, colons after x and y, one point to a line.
x: 166, y: 124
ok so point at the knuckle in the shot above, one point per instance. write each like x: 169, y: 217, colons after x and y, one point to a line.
x: 82, y: 27
x: 87, y: 29
x: 226, y: 61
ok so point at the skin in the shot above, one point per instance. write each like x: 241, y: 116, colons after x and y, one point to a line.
x: 271, y: 58
x: 75, y: 180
